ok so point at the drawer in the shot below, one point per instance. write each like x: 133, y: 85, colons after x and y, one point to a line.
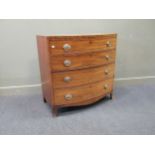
x: 82, y: 46
x: 79, y: 94
x: 81, y: 77
x: 72, y: 62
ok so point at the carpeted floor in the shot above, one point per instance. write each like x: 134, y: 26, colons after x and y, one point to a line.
x: 132, y: 111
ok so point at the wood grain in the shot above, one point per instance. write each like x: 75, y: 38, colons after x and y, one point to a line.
x: 82, y: 61
x: 82, y: 93
x: 81, y: 47
x: 45, y: 69
x: 84, y: 76
x: 81, y: 37
x: 84, y: 102
x: 90, y: 57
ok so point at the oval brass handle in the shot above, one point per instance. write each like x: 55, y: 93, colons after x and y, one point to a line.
x: 108, y: 44
x: 67, y: 47
x: 105, y: 86
x: 67, y: 63
x: 52, y: 46
x: 107, y: 57
x: 67, y: 78
x: 68, y: 96
x: 106, y: 72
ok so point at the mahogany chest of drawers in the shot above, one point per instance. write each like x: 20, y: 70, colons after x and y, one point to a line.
x: 76, y: 70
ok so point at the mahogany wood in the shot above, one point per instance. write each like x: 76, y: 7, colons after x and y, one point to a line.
x: 83, y: 76
x: 76, y: 70
x: 83, y: 93
x: 82, y: 61
x: 81, y: 47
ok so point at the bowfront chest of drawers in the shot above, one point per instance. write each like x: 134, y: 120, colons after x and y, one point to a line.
x: 76, y: 70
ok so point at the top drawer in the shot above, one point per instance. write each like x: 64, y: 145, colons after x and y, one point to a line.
x: 59, y: 47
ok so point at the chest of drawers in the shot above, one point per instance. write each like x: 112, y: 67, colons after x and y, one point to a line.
x: 76, y: 70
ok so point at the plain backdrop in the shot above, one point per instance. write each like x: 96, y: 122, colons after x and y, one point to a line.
x: 18, y: 49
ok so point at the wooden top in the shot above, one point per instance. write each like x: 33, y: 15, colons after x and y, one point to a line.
x: 80, y: 37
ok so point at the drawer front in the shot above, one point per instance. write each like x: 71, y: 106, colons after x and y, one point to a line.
x: 72, y: 62
x: 76, y: 95
x: 83, y: 46
x: 81, y: 77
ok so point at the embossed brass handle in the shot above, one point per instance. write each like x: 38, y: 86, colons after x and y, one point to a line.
x: 52, y: 46
x: 67, y: 78
x: 105, y: 86
x: 68, y: 96
x: 108, y: 44
x: 106, y: 72
x: 107, y: 57
x: 67, y: 47
x: 67, y: 63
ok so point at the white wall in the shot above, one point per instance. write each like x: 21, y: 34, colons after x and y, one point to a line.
x: 19, y: 57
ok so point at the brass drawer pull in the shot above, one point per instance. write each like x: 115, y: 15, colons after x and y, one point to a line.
x: 52, y: 46
x: 66, y: 47
x: 67, y: 63
x: 106, y: 72
x: 68, y: 96
x: 107, y: 57
x: 105, y: 86
x: 67, y: 79
x: 109, y: 44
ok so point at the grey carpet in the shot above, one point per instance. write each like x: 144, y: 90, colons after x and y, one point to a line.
x: 132, y: 111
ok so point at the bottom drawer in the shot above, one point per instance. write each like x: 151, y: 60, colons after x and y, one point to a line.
x: 83, y: 93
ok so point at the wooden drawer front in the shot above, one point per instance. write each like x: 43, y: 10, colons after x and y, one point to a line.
x: 72, y: 62
x: 83, y: 93
x: 84, y: 46
x: 81, y: 77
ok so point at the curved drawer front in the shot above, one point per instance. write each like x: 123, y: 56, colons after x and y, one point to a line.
x: 84, y: 46
x: 83, y: 93
x: 81, y: 77
x: 72, y: 62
